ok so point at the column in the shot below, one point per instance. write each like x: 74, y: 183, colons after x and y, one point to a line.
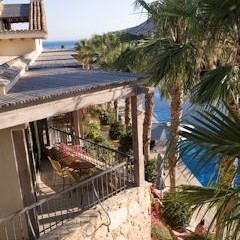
x: 76, y: 126
x: 137, y: 128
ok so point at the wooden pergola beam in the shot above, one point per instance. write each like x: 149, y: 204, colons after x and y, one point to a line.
x: 56, y: 107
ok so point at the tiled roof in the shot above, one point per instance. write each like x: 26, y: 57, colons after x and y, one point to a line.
x: 49, y: 78
x: 15, y: 10
x: 34, y: 13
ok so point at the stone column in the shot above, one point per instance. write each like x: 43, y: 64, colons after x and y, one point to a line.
x: 137, y: 128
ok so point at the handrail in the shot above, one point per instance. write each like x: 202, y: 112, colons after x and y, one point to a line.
x: 94, y: 143
x: 117, y: 174
x: 49, y: 213
x: 40, y: 202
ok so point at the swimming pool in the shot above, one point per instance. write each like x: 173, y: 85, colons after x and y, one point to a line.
x: 162, y: 113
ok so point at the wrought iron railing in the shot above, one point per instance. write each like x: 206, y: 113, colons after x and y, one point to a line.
x: 47, y: 214
x: 101, y: 156
x: 116, y: 175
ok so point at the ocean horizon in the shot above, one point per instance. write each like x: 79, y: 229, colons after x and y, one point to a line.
x: 67, y: 44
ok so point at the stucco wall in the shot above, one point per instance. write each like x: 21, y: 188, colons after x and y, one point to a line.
x: 19, y: 47
x: 11, y: 199
x: 127, y: 218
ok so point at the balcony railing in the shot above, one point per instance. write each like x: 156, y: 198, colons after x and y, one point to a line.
x: 101, y: 156
x: 47, y: 214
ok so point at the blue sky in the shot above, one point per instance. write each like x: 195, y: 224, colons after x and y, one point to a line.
x: 75, y: 19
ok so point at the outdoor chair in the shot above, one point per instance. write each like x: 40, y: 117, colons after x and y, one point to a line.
x: 74, y: 176
x: 58, y: 170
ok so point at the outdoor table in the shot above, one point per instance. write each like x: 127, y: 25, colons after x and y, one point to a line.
x: 79, y: 164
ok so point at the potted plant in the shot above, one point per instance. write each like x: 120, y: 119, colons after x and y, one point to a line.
x: 116, y: 130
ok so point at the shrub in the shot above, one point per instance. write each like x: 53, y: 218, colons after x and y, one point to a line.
x: 151, y: 170
x: 105, y: 155
x: 103, y: 141
x: 176, y: 214
x: 116, y: 130
x: 92, y: 130
x: 106, y: 116
x: 126, y: 141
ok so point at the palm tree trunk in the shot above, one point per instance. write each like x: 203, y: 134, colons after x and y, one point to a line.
x: 147, y: 124
x: 115, y: 103
x: 176, y: 114
x: 127, y: 112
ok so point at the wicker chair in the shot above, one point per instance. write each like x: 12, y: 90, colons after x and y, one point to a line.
x: 58, y: 170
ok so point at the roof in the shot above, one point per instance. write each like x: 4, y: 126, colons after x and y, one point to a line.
x: 34, y: 13
x: 15, y: 10
x: 56, y: 75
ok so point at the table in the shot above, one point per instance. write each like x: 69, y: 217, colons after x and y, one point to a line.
x: 79, y: 164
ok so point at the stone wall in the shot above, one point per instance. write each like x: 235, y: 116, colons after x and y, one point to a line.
x: 125, y: 216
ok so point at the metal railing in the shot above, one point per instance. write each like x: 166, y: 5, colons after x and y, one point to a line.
x: 101, y: 156
x: 116, y: 175
x: 47, y: 214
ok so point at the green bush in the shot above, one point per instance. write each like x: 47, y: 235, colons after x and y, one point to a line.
x: 106, y: 116
x: 104, y: 155
x: 92, y: 130
x: 151, y: 170
x: 116, y: 130
x: 126, y: 141
x: 103, y: 141
x: 176, y: 214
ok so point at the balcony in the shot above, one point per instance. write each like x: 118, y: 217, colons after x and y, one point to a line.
x: 114, y: 173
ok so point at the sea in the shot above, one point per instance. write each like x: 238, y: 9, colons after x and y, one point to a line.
x: 162, y: 114
x: 59, y: 44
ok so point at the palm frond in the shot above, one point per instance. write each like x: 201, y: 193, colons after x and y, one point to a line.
x: 221, y: 84
x: 222, y: 199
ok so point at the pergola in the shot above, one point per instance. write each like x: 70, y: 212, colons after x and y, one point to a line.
x: 56, y: 84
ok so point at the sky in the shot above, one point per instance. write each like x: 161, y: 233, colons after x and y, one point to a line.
x: 77, y: 19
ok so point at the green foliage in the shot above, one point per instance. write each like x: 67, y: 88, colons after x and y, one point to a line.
x: 104, y: 155
x: 106, y: 116
x: 151, y: 170
x: 93, y: 111
x: 176, y: 214
x: 116, y: 130
x: 201, y: 237
x: 126, y: 141
x: 103, y: 141
x: 92, y: 130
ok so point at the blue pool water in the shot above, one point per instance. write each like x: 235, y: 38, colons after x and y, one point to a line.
x: 204, y: 173
x: 162, y: 113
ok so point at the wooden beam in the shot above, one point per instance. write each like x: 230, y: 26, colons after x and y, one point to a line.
x: 53, y: 108
x: 137, y: 128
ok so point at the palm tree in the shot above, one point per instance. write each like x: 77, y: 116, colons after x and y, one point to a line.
x: 173, y: 59
x: 217, y: 135
x: 221, y: 83
x: 147, y: 124
x: 87, y: 55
